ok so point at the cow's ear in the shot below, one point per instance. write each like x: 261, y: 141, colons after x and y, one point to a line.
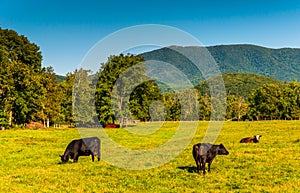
x: 221, y: 145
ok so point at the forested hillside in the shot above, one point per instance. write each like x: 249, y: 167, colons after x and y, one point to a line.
x: 239, y: 84
x: 282, y: 64
x: 60, y: 78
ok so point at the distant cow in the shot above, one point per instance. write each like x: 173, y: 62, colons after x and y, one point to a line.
x: 205, y: 153
x: 254, y: 139
x: 82, y: 147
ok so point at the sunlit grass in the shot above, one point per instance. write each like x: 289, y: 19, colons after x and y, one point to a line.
x: 29, y: 162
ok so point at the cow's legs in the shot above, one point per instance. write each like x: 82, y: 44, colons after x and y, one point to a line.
x: 197, y: 158
x: 92, y: 156
x: 76, y: 155
x: 98, y: 154
x: 203, y: 161
x: 98, y: 150
x: 198, y: 163
x: 209, y: 163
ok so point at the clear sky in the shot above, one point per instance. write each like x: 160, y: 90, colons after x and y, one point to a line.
x: 67, y: 30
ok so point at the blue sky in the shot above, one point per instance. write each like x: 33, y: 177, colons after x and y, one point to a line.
x: 67, y: 30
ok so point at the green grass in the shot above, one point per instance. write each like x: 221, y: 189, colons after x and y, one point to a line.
x: 29, y: 161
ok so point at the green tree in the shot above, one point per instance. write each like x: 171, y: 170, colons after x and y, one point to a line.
x: 24, y: 97
x: 6, y: 96
x: 236, y: 107
x: 20, y: 62
x: 106, y: 99
x: 204, y: 106
x: 66, y: 109
x: 21, y: 49
x: 3, y: 120
x: 291, y: 101
x: 143, y: 100
x: 50, y: 96
x: 266, y: 102
x: 27, y: 90
x: 83, y: 98
x: 173, y: 106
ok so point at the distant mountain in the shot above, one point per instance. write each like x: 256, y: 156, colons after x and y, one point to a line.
x: 171, y: 56
x: 282, y: 64
x: 239, y: 84
x: 60, y: 78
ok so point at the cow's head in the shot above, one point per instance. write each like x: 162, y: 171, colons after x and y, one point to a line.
x: 64, y: 159
x: 222, y: 150
x: 257, y: 137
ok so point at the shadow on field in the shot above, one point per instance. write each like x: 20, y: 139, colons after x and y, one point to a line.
x: 190, y: 169
x: 61, y: 163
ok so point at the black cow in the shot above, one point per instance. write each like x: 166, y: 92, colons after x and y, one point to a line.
x: 82, y: 147
x: 254, y: 139
x: 205, y: 153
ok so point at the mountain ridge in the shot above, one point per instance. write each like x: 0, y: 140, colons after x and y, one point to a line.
x: 279, y: 63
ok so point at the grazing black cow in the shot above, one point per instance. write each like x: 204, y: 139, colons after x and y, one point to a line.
x: 205, y: 153
x: 254, y: 139
x: 82, y: 147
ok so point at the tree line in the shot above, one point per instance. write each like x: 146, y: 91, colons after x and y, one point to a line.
x: 30, y: 92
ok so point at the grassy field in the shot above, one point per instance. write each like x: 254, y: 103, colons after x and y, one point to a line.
x: 30, y: 162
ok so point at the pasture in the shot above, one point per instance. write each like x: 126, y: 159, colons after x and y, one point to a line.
x: 30, y: 162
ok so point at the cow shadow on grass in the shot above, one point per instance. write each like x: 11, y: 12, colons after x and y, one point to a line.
x: 190, y: 169
x: 66, y: 163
